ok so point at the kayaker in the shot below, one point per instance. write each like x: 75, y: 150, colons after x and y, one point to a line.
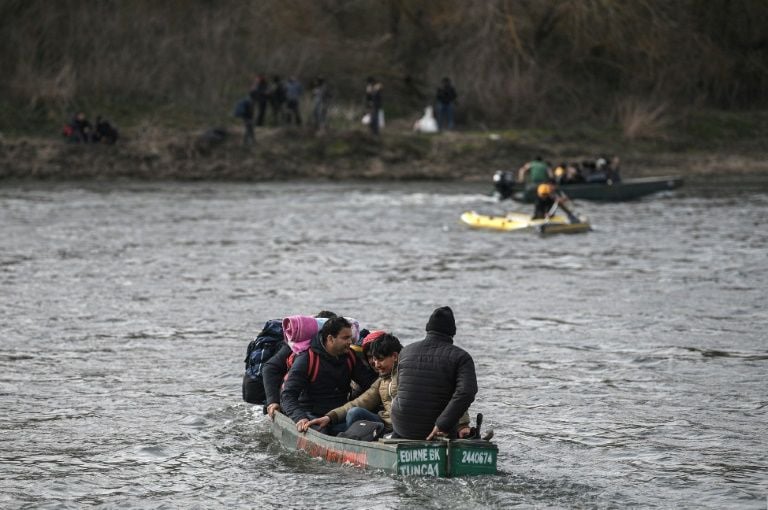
x: 319, y: 378
x: 547, y: 197
x: 436, y: 383
x: 535, y: 171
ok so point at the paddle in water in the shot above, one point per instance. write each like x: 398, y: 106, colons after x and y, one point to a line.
x: 561, y: 198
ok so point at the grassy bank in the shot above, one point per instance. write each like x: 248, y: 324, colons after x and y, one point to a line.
x: 179, y: 147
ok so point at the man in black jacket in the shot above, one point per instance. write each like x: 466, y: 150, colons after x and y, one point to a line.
x: 276, y: 368
x: 436, y: 382
x: 318, y: 381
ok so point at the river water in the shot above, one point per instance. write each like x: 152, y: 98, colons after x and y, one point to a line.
x: 626, y: 367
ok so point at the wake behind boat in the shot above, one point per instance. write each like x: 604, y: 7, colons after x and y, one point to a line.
x: 521, y: 222
x: 459, y: 457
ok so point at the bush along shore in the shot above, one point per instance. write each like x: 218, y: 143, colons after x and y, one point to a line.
x: 352, y: 154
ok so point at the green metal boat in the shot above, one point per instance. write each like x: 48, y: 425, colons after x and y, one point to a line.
x: 460, y: 457
x: 627, y: 189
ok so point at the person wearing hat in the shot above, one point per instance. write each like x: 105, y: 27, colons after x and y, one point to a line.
x: 436, y: 383
x: 548, y: 199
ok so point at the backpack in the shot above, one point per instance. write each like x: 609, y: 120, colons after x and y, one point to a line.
x: 364, y: 430
x: 260, y: 349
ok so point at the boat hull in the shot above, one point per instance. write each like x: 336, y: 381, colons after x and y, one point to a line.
x: 629, y: 189
x: 519, y: 222
x: 399, y: 456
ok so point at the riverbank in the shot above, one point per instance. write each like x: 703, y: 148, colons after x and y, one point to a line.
x: 353, y: 154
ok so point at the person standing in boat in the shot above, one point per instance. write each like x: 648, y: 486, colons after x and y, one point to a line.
x: 436, y: 383
x: 534, y: 172
x: 320, y: 377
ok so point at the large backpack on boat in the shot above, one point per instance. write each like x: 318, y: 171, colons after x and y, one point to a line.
x: 260, y: 349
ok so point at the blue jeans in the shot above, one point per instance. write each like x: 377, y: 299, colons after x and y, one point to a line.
x: 359, y: 413
x: 445, y: 115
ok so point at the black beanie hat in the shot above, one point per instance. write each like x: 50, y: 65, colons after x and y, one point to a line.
x: 442, y: 321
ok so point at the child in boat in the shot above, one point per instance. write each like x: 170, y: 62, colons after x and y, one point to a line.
x: 382, y: 350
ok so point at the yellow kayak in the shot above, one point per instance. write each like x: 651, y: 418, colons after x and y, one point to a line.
x: 520, y: 222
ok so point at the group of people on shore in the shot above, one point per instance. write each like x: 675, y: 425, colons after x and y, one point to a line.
x: 328, y: 374
x: 283, y: 99
x: 80, y: 130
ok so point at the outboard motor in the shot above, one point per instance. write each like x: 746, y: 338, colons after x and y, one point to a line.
x: 504, y: 183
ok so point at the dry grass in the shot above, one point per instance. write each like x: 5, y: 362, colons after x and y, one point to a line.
x: 512, y: 61
x: 642, y: 119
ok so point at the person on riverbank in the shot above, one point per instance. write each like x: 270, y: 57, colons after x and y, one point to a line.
x: 293, y: 92
x: 276, y: 94
x: 259, y: 95
x: 79, y: 129
x: 445, y: 98
x: 436, y: 383
x: 534, y: 172
x: 320, y: 377
x: 320, y: 99
x: 104, y: 132
x: 374, y: 100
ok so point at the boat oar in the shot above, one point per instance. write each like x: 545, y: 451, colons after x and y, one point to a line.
x: 572, y: 218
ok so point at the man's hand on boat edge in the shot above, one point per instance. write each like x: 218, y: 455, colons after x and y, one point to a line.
x: 437, y: 433
x: 272, y: 409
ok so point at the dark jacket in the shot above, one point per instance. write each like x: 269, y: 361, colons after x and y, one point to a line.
x: 436, y: 385
x: 446, y: 94
x: 330, y: 390
x: 273, y: 374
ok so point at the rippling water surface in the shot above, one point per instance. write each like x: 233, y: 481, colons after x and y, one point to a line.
x: 625, y: 367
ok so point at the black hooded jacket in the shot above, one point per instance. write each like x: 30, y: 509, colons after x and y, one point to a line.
x: 274, y: 372
x: 436, y: 385
x: 331, y: 388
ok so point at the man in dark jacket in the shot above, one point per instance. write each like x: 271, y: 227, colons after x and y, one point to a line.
x: 437, y: 382
x: 275, y: 369
x: 319, y: 381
